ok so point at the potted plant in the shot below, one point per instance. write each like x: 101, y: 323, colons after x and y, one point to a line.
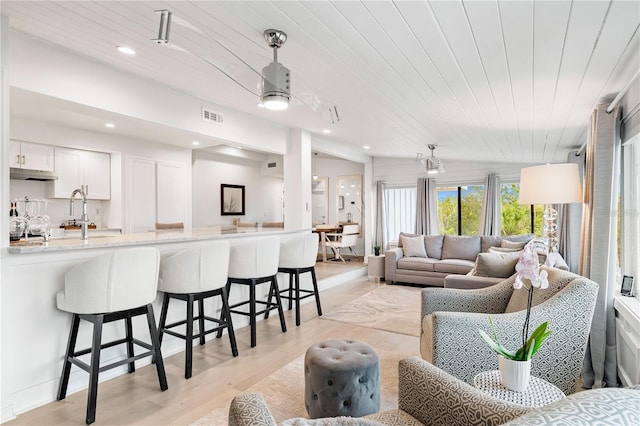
x: 376, y: 250
x: 515, y: 366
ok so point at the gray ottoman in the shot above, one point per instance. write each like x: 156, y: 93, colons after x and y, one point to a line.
x: 341, y: 378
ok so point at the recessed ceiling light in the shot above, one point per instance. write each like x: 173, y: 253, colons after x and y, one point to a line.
x: 366, y: 147
x: 326, y: 131
x: 126, y: 50
x: 195, y: 143
x: 110, y: 125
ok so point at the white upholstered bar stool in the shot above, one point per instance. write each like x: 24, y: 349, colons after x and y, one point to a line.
x: 254, y: 261
x: 298, y: 256
x: 194, y: 275
x: 110, y: 287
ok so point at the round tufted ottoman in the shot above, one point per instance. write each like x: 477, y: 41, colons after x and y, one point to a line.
x: 342, y: 378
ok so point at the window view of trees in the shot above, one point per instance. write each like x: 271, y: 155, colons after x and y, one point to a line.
x: 470, y: 209
x: 516, y: 218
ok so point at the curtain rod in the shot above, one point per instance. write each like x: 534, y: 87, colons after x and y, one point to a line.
x: 613, y: 104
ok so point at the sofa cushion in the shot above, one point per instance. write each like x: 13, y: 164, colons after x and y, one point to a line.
x: 417, y: 263
x: 501, y: 265
x: 453, y: 266
x: 434, y: 245
x: 461, y: 247
x: 413, y: 246
x: 488, y: 241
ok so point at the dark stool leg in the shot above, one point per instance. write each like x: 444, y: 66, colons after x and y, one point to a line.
x: 315, y: 290
x: 269, y: 303
x: 283, y: 324
x: 252, y: 310
x: 201, y: 319
x: 188, y: 353
x: 132, y: 364
x: 163, y: 315
x: 222, y: 311
x: 155, y: 342
x: 95, y: 368
x: 291, y: 291
x: 297, y: 296
x: 229, y: 325
x: 66, y: 365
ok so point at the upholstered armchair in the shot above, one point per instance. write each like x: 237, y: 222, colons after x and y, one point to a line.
x: 451, y: 319
x: 427, y: 396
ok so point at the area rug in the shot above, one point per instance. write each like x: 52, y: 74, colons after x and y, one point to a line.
x: 389, y: 308
x: 284, y: 391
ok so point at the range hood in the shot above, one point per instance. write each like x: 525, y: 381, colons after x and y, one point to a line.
x: 26, y: 174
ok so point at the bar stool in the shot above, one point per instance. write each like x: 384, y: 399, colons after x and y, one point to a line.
x: 253, y: 262
x: 298, y: 256
x: 110, y: 287
x: 194, y: 275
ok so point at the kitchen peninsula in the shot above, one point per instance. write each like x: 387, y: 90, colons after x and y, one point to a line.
x: 37, y: 331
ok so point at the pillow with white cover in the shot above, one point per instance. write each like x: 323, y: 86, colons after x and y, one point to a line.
x: 503, y: 250
x: 512, y: 244
x: 499, y: 265
x: 413, y: 246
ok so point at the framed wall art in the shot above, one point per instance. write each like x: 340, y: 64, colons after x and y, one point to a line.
x: 231, y: 200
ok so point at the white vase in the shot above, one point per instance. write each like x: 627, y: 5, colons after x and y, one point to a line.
x: 514, y: 374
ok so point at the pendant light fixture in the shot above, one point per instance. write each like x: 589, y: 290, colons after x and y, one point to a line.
x: 432, y: 164
x: 276, y: 89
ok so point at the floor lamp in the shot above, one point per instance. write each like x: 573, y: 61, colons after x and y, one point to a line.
x: 550, y: 184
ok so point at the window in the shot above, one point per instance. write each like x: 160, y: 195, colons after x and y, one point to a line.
x: 400, y: 206
x: 516, y: 218
x: 459, y: 218
x: 630, y: 241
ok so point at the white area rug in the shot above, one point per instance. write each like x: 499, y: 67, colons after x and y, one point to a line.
x: 389, y: 308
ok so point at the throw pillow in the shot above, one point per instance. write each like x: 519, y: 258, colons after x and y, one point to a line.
x: 499, y: 265
x: 413, y: 246
x: 512, y: 244
x: 404, y: 234
x: 503, y: 250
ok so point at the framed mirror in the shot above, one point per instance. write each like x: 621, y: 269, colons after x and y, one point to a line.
x: 349, y: 200
x: 320, y: 200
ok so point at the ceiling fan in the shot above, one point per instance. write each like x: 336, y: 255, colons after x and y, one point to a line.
x: 432, y: 165
x: 273, y: 88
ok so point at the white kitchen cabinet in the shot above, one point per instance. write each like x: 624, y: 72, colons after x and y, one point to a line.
x: 170, y: 192
x: 77, y: 167
x: 32, y: 156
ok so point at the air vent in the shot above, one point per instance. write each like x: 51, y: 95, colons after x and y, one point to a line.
x: 271, y: 165
x: 208, y: 115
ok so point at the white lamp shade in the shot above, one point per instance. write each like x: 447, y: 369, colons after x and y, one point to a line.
x: 550, y: 184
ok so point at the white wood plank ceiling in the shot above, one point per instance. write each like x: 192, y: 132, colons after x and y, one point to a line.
x: 511, y: 81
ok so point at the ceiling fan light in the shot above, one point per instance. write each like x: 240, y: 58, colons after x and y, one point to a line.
x: 276, y: 89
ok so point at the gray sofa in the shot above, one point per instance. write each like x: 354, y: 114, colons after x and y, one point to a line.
x: 449, y: 258
x: 429, y: 396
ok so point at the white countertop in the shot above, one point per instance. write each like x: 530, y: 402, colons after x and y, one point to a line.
x: 144, y: 238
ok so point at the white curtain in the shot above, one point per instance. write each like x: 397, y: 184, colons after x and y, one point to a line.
x: 599, y: 244
x: 570, y: 220
x: 381, y: 237
x: 427, y: 207
x: 490, y: 215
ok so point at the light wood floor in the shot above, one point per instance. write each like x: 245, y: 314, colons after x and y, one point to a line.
x: 136, y: 399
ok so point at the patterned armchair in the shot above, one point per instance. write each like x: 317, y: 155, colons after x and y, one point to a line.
x: 451, y: 317
x: 427, y: 396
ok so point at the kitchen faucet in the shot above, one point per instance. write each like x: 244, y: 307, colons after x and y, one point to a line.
x: 84, y: 223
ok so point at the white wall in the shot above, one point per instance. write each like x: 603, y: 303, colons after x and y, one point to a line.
x: 263, y: 194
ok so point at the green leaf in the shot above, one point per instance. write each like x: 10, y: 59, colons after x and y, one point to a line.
x: 495, y: 345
